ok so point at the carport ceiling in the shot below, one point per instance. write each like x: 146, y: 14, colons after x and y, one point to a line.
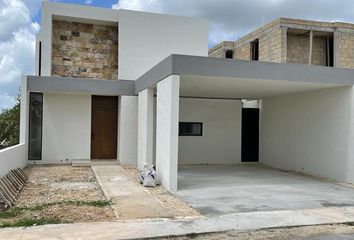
x: 221, y: 87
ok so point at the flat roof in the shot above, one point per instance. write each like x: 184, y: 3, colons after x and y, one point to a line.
x: 80, y: 85
x: 243, y: 69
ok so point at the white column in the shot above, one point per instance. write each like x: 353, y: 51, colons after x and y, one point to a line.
x: 167, y: 131
x: 145, y: 127
x: 24, y: 111
x: 128, y: 130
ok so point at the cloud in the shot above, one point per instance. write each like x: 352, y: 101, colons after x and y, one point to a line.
x: 88, y: 2
x: 13, y: 15
x: 231, y: 19
x: 17, y: 46
x: 6, y: 101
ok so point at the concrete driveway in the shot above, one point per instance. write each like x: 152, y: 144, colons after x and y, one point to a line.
x: 221, y: 189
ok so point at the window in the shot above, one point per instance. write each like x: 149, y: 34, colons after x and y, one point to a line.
x: 255, y: 50
x: 329, y: 52
x: 229, y: 54
x: 40, y: 59
x: 190, y: 129
x: 35, y: 126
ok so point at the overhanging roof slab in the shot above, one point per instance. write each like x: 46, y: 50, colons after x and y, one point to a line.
x: 80, y: 85
x: 214, y: 77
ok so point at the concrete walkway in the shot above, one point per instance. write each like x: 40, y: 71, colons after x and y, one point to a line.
x: 164, y: 227
x: 129, y: 200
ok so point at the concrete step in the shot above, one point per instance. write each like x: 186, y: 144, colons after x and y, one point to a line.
x: 89, y: 162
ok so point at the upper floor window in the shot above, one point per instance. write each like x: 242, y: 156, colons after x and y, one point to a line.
x: 229, y: 54
x: 255, y: 50
x: 329, y: 52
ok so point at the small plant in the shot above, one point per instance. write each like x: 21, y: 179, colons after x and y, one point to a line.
x: 27, y: 222
x: 97, y: 203
x: 10, y: 213
x: 15, y: 212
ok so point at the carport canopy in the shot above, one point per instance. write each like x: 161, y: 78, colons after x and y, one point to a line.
x: 203, y: 77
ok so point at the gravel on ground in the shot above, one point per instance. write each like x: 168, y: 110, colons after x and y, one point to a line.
x: 178, y: 207
x: 61, y: 192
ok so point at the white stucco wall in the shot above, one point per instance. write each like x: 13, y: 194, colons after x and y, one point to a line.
x: 128, y: 130
x: 12, y: 158
x: 308, y: 132
x: 16, y: 156
x: 147, y: 38
x: 221, y: 140
x: 66, y: 127
x: 350, y: 167
x: 144, y: 38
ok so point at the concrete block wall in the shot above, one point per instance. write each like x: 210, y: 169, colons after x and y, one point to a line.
x: 243, y: 52
x: 271, y: 45
x: 84, y: 50
x: 219, y: 50
x: 276, y: 45
x: 319, y: 51
x: 298, y: 50
x: 346, y: 48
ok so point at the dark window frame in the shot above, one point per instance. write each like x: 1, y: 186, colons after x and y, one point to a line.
x: 229, y: 54
x: 329, y: 52
x: 255, y: 50
x: 40, y: 59
x: 30, y: 125
x: 180, y: 128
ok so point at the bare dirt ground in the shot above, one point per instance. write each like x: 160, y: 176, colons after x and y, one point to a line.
x: 306, y: 232
x: 63, y: 193
x: 178, y: 207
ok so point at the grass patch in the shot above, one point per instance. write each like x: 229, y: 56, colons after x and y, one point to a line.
x: 13, y: 212
x: 27, y: 222
x: 98, y: 203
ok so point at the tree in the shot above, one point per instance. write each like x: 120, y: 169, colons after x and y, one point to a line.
x: 10, y: 125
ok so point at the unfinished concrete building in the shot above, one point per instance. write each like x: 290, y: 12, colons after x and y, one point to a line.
x: 286, y: 40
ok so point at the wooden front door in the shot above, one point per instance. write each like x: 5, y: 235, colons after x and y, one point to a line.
x: 104, y: 124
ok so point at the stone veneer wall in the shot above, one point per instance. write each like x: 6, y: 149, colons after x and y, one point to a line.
x: 84, y: 50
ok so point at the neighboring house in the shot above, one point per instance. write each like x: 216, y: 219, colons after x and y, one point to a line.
x: 140, y: 87
x: 294, y: 41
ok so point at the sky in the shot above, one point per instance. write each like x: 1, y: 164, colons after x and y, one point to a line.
x: 228, y: 20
